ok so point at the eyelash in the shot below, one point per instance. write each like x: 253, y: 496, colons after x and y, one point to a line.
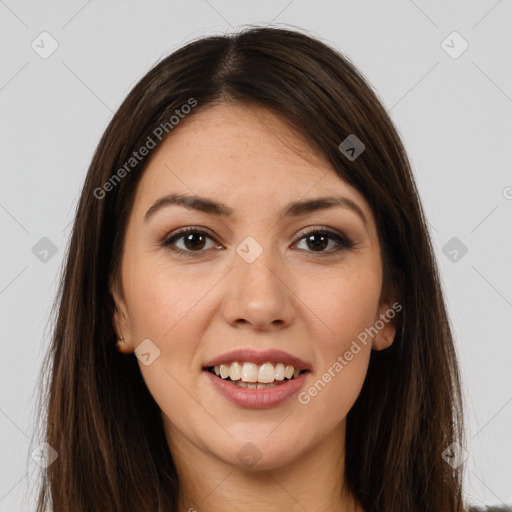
x: 342, y: 241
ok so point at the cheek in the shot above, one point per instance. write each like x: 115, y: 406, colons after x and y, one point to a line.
x: 345, y: 306
x: 162, y: 299
x: 166, y: 308
x: 345, y: 303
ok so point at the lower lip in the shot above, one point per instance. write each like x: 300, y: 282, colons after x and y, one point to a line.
x: 257, y: 398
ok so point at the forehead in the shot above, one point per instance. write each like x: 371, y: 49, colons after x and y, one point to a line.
x: 242, y: 155
x: 242, y: 139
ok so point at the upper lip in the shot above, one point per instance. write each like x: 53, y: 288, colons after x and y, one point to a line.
x: 259, y: 357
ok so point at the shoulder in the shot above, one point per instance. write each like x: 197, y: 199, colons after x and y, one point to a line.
x: 503, y: 508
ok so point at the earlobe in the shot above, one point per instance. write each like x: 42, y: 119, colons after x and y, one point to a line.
x: 122, y: 346
x: 381, y: 343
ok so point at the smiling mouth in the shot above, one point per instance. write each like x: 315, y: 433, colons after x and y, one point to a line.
x: 245, y: 383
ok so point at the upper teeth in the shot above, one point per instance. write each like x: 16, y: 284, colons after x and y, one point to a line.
x: 250, y: 372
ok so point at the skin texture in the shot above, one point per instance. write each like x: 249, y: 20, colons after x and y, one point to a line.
x: 197, y: 306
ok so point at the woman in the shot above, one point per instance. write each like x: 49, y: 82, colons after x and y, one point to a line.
x: 250, y: 314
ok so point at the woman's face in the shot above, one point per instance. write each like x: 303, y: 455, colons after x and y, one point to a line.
x: 248, y: 278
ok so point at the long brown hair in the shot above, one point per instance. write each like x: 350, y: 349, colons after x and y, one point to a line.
x: 96, y: 410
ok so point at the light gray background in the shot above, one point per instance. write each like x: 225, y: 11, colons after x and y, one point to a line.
x: 454, y: 115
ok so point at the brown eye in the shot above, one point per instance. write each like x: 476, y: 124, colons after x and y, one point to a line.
x: 317, y: 241
x: 194, y: 240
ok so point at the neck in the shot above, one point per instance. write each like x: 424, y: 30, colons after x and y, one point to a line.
x: 313, y: 481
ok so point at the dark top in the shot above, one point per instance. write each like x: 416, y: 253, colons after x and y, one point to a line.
x: 502, y: 508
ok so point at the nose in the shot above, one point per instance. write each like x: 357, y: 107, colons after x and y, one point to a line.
x: 258, y: 294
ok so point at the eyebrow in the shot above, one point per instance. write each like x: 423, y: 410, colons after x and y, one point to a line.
x: 212, y: 207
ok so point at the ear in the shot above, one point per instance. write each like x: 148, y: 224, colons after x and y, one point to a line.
x: 388, y: 316
x: 120, y: 320
x: 385, y: 324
